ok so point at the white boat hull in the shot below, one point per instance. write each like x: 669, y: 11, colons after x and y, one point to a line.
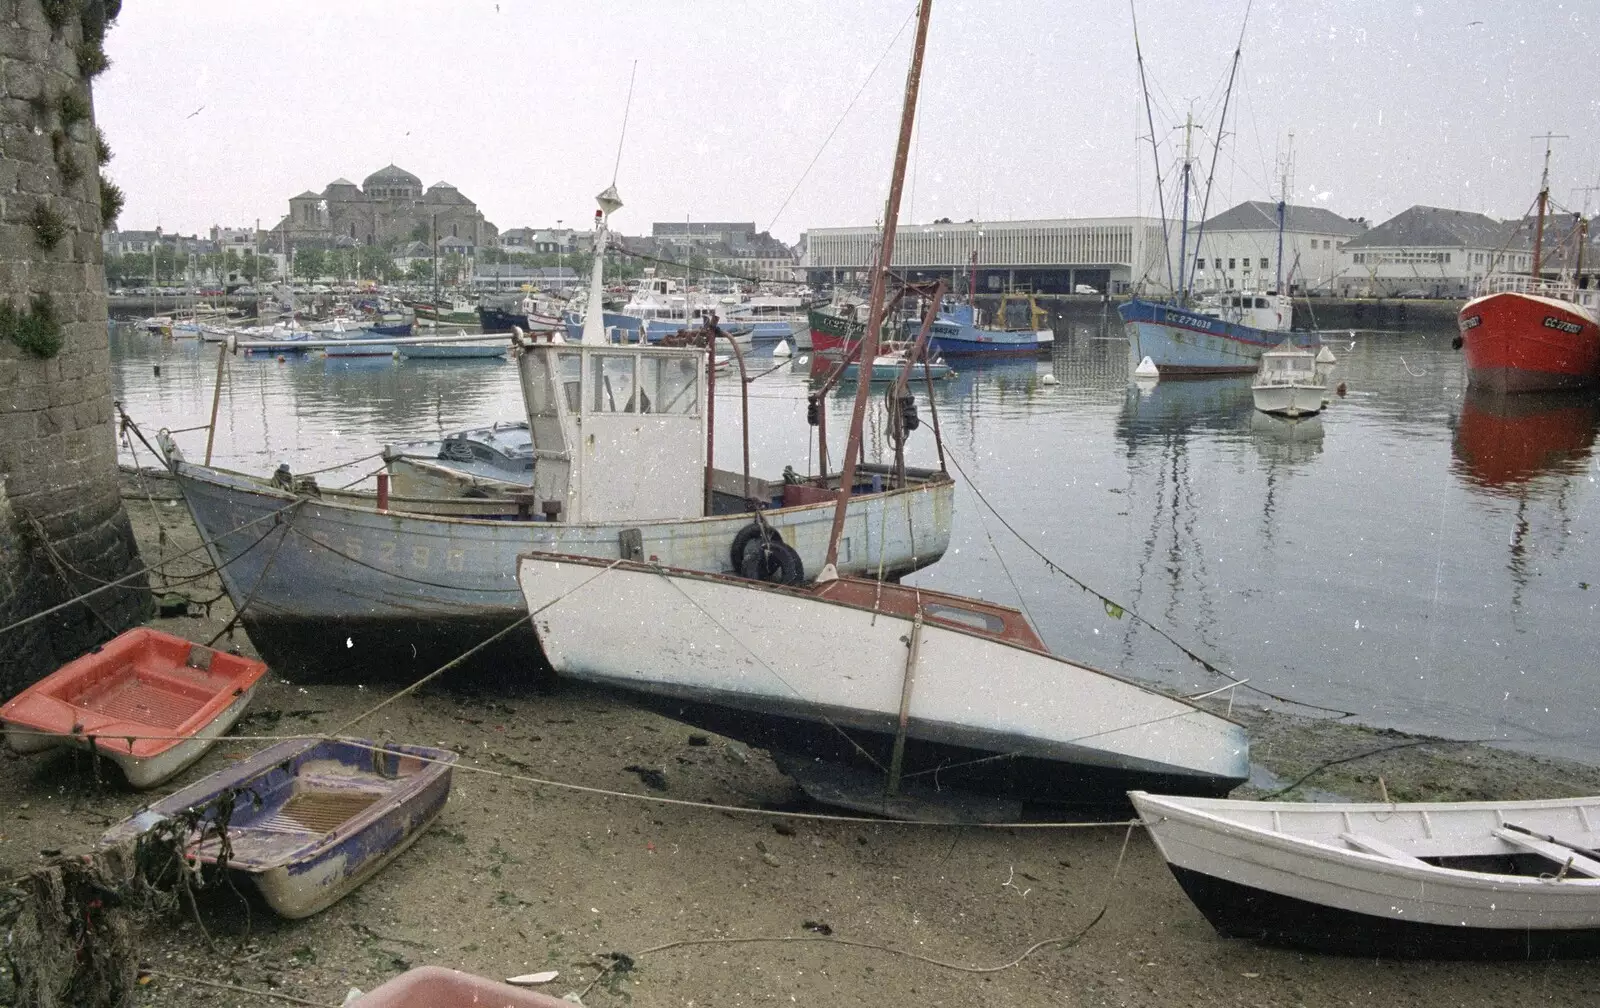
x: 788, y: 670
x: 1307, y: 875
x: 1289, y: 400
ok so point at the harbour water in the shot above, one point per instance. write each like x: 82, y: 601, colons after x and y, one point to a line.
x: 1417, y: 557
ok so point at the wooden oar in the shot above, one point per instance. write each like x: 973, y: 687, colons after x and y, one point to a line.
x: 1587, y: 852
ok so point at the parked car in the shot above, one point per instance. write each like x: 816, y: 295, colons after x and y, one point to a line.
x: 1084, y: 289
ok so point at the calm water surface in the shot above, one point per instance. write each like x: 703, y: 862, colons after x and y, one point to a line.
x: 1419, y: 556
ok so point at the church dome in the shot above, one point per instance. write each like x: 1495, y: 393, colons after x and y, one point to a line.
x: 391, y: 176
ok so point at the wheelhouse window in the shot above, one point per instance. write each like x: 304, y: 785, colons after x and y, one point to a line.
x: 677, y: 387
x: 611, y: 383
x: 571, y: 366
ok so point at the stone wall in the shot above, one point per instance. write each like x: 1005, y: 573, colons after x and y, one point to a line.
x: 66, y: 530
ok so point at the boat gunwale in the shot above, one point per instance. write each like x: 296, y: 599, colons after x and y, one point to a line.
x: 349, y: 501
x: 438, y: 763
x: 806, y: 592
x: 1175, y: 807
x: 114, y: 745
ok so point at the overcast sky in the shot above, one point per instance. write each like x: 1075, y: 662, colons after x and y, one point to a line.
x: 218, y: 113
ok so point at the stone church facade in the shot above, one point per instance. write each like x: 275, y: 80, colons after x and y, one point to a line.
x: 389, y: 208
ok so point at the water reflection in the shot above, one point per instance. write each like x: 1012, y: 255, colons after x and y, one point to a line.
x: 1167, y: 409
x: 1524, y: 448
x: 1283, y: 443
x: 1504, y: 441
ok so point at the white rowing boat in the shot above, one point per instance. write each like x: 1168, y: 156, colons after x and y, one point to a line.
x: 1462, y: 880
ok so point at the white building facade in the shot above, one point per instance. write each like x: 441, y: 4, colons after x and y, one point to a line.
x: 1431, y: 252
x: 1238, y: 249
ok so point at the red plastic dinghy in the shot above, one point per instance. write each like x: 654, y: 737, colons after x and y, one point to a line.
x: 150, y: 702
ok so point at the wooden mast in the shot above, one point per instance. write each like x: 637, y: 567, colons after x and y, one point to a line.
x: 1544, y: 199
x: 880, y: 279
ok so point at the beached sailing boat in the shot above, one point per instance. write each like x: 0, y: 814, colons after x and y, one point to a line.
x: 928, y: 691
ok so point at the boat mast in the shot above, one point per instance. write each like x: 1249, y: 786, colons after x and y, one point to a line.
x: 1155, y: 149
x: 1222, y: 129
x: 1283, y: 209
x: 1583, y: 239
x: 1183, y: 232
x: 880, y: 278
x: 1544, y: 199
x: 594, y: 319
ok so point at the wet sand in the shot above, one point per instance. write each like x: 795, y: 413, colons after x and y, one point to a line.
x: 517, y: 877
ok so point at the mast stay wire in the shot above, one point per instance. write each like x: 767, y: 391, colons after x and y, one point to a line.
x: 1222, y: 124
x: 852, y: 104
x: 1155, y: 150
x: 623, y: 135
x: 1116, y: 610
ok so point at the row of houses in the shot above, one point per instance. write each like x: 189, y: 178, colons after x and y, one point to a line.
x: 1421, y: 252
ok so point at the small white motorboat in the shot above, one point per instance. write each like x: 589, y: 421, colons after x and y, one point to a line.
x: 1460, y: 880
x: 1289, y: 382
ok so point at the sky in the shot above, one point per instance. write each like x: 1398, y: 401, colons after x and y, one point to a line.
x: 218, y: 113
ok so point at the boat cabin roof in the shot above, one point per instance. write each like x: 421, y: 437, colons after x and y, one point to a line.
x: 975, y: 615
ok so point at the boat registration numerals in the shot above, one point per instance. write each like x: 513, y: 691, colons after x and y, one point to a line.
x: 421, y: 556
x: 1471, y: 322
x: 1551, y: 322
x: 1192, y: 321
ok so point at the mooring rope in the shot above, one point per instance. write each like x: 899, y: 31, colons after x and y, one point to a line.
x: 143, y: 570
x: 1116, y: 608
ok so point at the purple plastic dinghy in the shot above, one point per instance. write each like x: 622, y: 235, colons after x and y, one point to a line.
x: 310, y: 820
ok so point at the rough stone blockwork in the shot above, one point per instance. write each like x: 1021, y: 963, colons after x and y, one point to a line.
x: 63, y: 529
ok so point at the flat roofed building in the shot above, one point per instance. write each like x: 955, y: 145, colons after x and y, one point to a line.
x: 1109, y: 254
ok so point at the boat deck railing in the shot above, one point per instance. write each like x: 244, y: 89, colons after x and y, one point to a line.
x: 1518, y: 283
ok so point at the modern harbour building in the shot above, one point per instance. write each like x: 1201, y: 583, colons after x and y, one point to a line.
x: 1114, y: 255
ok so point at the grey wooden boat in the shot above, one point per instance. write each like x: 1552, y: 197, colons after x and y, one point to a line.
x: 344, y: 584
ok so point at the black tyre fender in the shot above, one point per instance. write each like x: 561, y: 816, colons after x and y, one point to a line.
x: 747, y: 535
x: 771, y: 559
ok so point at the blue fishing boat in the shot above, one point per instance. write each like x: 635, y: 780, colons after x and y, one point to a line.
x: 394, y: 329
x: 1224, y: 334
x: 958, y: 330
x: 307, y: 820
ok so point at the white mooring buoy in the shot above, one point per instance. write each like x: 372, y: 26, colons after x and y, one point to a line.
x: 1048, y: 379
x: 782, y: 349
x: 1146, y: 369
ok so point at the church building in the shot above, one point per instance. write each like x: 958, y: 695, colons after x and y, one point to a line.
x: 389, y: 208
